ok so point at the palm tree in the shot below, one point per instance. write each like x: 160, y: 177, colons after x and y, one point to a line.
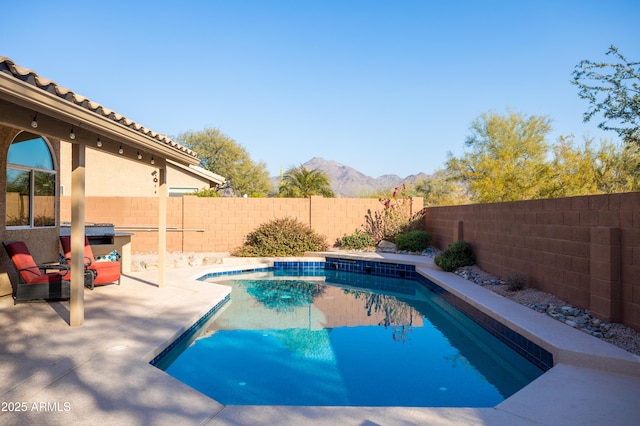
x: 300, y: 182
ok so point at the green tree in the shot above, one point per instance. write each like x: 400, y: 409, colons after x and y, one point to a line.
x: 573, y: 169
x: 507, y: 158
x: 222, y: 155
x: 585, y: 170
x: 617, y: 168
x: 613, y: 90
x: 300, y: 182
x: 441, y: 189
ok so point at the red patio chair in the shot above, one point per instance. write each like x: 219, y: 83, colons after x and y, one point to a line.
x: 103, y: 272
x: 34, y: 281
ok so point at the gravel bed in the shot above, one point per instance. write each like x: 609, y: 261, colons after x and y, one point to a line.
x: 617, y: 334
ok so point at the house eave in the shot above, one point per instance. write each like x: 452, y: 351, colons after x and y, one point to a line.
x: 34, y: 99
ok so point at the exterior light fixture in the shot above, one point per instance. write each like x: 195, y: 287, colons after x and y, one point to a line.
x: 72, y: 134
x: 120, y: 150
x: 99, y: 142
x: 152, y: 160
x: 34, y: 123
x: 139, y: 156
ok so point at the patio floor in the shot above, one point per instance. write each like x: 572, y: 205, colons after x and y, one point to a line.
x: 99, y: 372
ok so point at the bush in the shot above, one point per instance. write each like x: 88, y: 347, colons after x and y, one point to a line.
x: 281, y: 237
x: 516, y: 282
x: 417, y: 222
x: 205, y: 193
x: 357, y: 241
x: 413, y: 241
x: 392, y: 220
x: 455, y: 256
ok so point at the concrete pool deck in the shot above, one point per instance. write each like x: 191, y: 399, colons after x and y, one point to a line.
x: 100, y: 372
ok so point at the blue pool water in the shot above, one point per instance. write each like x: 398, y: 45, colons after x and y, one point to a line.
x: 330, y: 339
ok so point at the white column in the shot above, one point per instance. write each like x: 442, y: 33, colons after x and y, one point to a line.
x: 162, y: 223
x: 76, y: 309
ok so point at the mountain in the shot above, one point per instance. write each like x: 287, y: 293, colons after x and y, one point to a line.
x: 349, y: 182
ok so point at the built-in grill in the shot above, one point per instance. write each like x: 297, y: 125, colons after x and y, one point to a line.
x: 97, y: 233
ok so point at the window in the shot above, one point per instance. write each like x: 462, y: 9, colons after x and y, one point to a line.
x: 179, y: 191
x: 31, y: 183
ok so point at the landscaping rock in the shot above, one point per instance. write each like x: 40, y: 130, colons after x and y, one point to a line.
x: 149, y: 261
x: 385, y: 246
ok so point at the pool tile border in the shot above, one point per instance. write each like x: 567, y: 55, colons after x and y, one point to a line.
x: 190, y: 330
x: 298, y: 265
x: 535, y: 354
x: 233, y: 272
x: 382, y: 269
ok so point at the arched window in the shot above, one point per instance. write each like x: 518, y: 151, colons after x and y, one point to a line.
x: 31, y: 183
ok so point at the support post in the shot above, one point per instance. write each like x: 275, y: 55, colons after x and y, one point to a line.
x: 76, y: 309
x: 162, y: 224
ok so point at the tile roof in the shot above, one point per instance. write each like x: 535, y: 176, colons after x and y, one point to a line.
x: 26, y: 75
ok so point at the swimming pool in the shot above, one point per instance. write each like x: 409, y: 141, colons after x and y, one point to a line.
x: 329, y: 337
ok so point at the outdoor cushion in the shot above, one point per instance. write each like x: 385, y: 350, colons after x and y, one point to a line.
x: 104, y: 272
x: 114, y: 256
x: 35, y: 281
x: 29, y: 271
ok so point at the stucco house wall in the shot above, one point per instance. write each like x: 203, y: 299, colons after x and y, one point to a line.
x: 112, y: 176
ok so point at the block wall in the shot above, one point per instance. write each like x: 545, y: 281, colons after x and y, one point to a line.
x: 585, y: 250
x: 221, y: 224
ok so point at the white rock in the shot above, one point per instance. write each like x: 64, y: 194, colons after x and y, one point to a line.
x: 386, y: 246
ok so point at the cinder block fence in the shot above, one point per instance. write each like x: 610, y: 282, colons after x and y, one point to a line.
x: 221, y: 224
x: 585, y: 250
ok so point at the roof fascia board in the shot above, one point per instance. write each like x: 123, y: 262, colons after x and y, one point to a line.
x: 213, y: 177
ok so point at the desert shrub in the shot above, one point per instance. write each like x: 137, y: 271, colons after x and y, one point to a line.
x: 455, y: 256
x: 357, y: 241
x: 281, y: 237
x: 374, y: 225
x: 417, y: 222
x: 386, y: 224
x: 17, y: 220
x: 516, y: 282
x: 42, y: 220
x: 205, y: 193
x: 413, y: 241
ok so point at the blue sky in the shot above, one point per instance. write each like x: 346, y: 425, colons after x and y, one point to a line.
x: 386, y: 87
